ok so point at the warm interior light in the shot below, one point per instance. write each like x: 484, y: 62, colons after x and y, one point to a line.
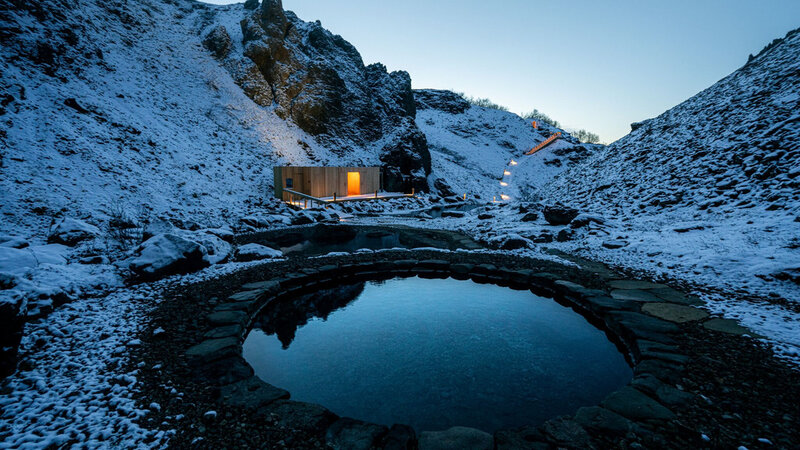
x: 353, y: 183
x: 512, y: 163
x: 506, y: 172
x: 503, y: 183
x: 504, y: 196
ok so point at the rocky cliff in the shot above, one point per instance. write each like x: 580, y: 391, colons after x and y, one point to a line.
x: 319, y: 81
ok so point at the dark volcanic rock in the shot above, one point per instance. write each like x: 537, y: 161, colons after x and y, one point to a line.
x: 218, y: 42
x: 446, y: 101
x: 559, y: 214
x: 443, y: 188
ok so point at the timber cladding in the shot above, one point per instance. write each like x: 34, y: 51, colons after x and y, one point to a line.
x: 325, y: 181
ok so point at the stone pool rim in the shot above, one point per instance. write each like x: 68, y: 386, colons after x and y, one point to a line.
x: 647, y: 340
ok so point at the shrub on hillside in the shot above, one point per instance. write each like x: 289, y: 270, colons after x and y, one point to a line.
x: 482, y: 102
x: 541, y: 117
x: 586, y: 136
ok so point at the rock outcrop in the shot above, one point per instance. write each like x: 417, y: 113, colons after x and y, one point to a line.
x: 319, y: 81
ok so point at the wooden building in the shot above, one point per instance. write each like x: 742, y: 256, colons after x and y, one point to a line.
x: 323, y: 182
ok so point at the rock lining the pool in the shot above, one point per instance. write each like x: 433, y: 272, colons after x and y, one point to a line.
x: 645, y: 328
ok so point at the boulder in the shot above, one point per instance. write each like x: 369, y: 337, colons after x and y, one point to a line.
x: 167, y: 254
x: 251, y: 4
x: 530, y: 217
x: 565, y: 234
x: 70, y: 231
x: 218, y: 42
x: 443, y: 188
x: 254, y: 252
x: 583, y: 220
x: 614, y: 244
x: 453, y: 213
x: 510, y: 241
x: 559, y: 214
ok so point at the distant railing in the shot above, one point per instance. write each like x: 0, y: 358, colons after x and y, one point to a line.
x: 336, y: 199
x: 544, y: 143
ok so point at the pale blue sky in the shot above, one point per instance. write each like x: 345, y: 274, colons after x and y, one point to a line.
x: 598, y: 65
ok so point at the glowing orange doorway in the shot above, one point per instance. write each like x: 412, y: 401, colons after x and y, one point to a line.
x: 353, y: 183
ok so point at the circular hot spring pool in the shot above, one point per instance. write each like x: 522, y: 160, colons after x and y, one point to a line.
x: 435, y: 353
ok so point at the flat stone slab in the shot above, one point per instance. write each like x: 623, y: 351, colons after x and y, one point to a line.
x: 245, y: 296
x: 671, y: 295
x: 308, y: 417
x: 228, y: 318
x: 636, y: 295
x: 729, y: 326
x: 600, y: 419
x: 629, y: 402
x: 456, y: 438
x: 674, y: 313
x: 251, y: 393
x: 607, y: 303
x: 263, y: 286
x: 213, y: 349
x: 224, y: 331
x: 352, y: 434
x: 566, y: 432
x: 634, y: 284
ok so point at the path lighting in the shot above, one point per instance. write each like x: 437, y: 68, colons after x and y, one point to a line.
x: 503, y: 183
x: 506, y: 172
x: 504, y: 196
x: 512, y: 163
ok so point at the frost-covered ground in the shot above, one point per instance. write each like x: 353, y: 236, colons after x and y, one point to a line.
x: 78, y: 385
x: 144, y: 120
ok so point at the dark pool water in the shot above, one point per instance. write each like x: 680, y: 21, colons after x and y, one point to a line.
x: 374, y: 240
x: 435, y: 353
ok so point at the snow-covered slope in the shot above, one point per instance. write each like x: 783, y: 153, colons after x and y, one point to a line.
x: 116, y: 104
x: 711, y: 188
x: 480, y: 151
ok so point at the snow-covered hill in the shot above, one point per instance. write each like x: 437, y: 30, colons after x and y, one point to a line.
x: 711, y: 186
x: 480, y: 151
